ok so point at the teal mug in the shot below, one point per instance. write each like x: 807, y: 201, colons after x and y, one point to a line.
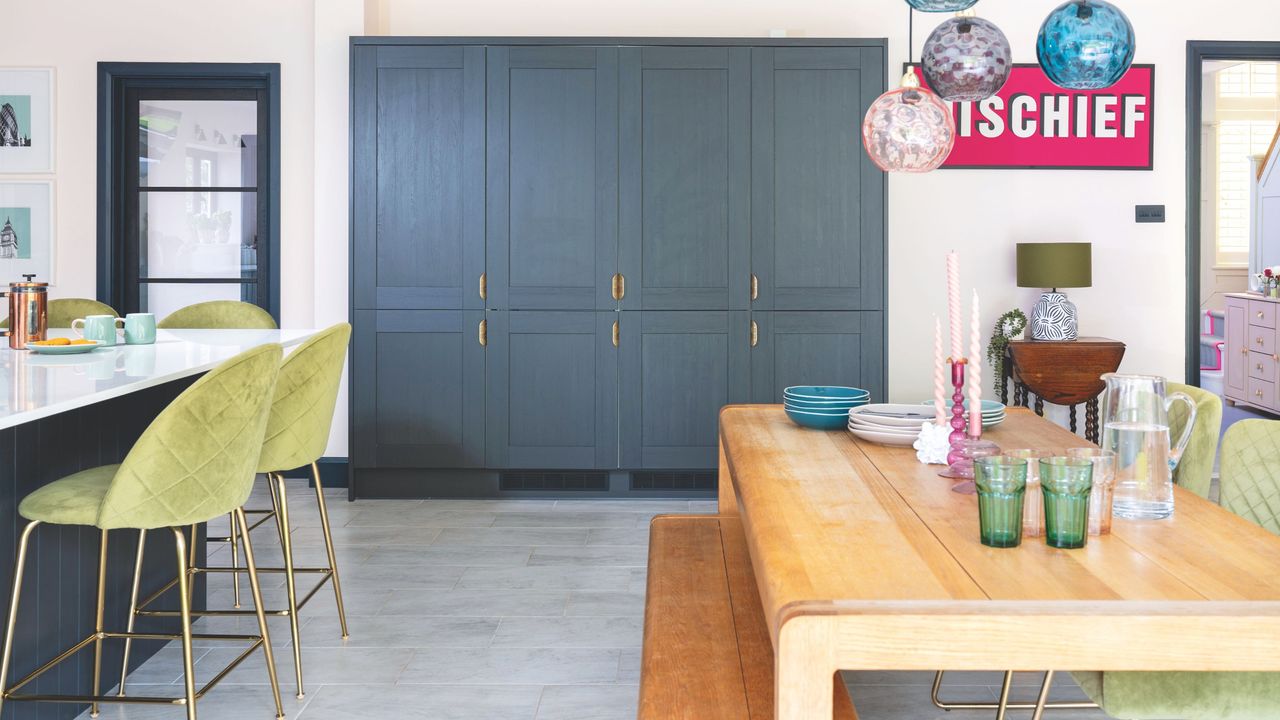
x: 97, y: 327
x: 139, y: 329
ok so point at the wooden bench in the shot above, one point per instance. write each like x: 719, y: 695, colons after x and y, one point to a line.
x: 707, y: 653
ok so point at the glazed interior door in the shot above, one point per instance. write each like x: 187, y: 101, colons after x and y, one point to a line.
x: 817, y: 221
x: 685, y: 190
x: 552, y: 237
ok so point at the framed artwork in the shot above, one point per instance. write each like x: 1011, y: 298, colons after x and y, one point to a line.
x: 26, y: 230
x: 26, y: 120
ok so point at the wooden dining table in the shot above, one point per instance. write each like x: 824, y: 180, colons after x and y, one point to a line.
x: 866, y: 560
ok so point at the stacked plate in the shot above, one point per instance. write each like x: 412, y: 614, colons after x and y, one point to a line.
x: 992, y: 411
x: 889, y: 423
x: 825, y: 407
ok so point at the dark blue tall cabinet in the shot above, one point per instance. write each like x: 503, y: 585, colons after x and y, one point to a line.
x: 567, y: 255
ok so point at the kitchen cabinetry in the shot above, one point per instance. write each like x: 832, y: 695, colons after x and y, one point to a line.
x: 567, y: 256
x: 1252, y: 355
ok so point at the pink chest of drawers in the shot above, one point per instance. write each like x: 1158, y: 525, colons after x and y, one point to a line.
x: 1253, y: 353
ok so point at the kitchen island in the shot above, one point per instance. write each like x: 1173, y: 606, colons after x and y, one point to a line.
x: 62, y: 414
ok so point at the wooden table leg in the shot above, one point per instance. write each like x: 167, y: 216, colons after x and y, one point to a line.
x: 1073, y: 418
x: 1091, y: 421
x: 805, y: 670
x: 1040, y: 406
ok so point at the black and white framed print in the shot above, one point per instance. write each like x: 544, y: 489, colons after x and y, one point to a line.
x: 26, y: 120
x: 26, y: 230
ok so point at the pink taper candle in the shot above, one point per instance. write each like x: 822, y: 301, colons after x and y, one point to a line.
x: 953, y: 305
x: 939, y: 375
x: 975, y: 372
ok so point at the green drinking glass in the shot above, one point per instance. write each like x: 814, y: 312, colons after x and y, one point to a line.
x: 1002, y: 486
x: 1066, y: 483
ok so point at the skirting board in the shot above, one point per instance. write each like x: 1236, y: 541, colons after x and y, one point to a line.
x: 333, y: 472
x: 403, y: 483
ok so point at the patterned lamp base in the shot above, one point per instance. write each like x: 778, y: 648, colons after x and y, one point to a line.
x: 1054, y: 318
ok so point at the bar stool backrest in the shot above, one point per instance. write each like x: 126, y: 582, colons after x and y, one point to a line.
x: 196, y: 460
x: 306, y: 394
x: 219, y: 315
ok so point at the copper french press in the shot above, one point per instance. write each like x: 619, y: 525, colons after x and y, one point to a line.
x: 28, y: 312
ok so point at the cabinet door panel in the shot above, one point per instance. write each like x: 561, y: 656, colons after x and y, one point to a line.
x: 677, y: 370
x: 552, y: 177
x: 817, y: 201
x: 1236, y: 375
x: 817, y: 348
x: 418, y: 188
x: 684, y: 193
x: 419, y: 389
x: 553, y: 390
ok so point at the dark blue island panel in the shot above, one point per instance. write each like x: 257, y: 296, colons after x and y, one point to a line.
x: 58, y: 596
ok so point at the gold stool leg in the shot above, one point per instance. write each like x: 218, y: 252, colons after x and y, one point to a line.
x: 1004, y: 695
x: 235, y: 563
x: 19, y: 570
x: 1044, y: 696
x: 133, y: 608
x: 256, y: 591
x: 291, y: 589
x: 184, y: 601
x: 97, y: 623
x: 328, y: 546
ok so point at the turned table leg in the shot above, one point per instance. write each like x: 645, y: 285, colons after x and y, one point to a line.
x: 1040, y: 406
x: 1073, y: 418
x: 1091, y: 421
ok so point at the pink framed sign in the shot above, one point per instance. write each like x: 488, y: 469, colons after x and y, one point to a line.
x: 1032, y: 123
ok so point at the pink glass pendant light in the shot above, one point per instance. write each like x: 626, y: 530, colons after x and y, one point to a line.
x: 908, y: 129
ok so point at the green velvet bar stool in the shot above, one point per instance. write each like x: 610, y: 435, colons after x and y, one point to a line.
x: 195, y: 462
x: 63, y: 310
x: 219, y: 314
x: 1195, y: 469
x: 1251, y: 489
x: 296, y: 436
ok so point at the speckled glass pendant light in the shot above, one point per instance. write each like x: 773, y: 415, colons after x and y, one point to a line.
x: 909, y: 128
x: 966, y: 59
x: 1085, y: 45
x: 941, y: 5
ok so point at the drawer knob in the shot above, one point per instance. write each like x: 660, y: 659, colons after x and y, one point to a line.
x: 1258, y: 340
x: 1259, y: 313
x: 1259, y: 366
x: 1257, y: 393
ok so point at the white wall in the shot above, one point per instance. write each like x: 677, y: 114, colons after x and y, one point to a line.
x: 1138, y: 292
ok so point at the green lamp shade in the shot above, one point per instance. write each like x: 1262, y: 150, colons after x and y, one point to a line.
x: 1055, y: 265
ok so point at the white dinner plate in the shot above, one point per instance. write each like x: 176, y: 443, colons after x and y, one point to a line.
x: 896, y: 432
x: 884, y: 438
x: 894, y: 408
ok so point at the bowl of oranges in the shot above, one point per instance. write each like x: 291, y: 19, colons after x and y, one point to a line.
x: 63, y: 346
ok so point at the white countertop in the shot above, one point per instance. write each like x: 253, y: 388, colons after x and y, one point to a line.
x: 37, y: 386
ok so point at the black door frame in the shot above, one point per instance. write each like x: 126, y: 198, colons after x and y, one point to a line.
x: 115, y: 79
x: 1197, y: 52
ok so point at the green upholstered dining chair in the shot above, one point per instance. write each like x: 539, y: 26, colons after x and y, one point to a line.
x: 296, y: 436
x: 1250, y: 488
x: 193, y: 463
x: 219, y: 314
x: 1195, y: 469
x: 63, y: 310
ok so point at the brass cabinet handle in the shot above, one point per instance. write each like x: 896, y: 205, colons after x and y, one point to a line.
x: 755, y: 333
x: 615, y: 333
x: 755, y: 286
x: 484, y: 287
x: 619, y: 286
x: 483, y: 332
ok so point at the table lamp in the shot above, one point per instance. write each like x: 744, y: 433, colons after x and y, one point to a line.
x: 1054, y: 265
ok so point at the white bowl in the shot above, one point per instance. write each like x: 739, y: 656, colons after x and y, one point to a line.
x: 884, y: 438
x: 927, y: 412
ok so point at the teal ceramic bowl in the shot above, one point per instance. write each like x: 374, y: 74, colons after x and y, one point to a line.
x: 819, y: 421
x: 825, y: 393
x: 811, y: 406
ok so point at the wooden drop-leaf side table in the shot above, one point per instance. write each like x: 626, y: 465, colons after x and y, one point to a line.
x: 1063, y: 373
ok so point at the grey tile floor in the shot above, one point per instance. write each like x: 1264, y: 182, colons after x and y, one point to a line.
x: 480, y: 609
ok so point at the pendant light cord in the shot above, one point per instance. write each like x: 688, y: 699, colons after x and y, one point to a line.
x: 911, y: 17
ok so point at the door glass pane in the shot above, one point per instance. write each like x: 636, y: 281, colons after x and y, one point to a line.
x: 198, y: 234
x: 163, y: 298
x: 197, y: 143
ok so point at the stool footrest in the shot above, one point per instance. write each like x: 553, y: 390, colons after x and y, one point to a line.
x: 302, y: 601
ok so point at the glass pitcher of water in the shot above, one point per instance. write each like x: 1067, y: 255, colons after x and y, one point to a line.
x: 1135, y: 425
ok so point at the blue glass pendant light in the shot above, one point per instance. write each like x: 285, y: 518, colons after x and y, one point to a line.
x: 942, y: 5
x: 1085, y: 45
